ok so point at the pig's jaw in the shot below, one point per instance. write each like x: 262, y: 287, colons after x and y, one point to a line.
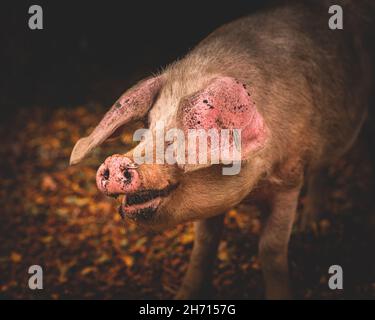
x: 141, y: 207
x: 139, y: 212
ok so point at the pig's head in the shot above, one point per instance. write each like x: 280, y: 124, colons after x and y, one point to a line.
x: 162, y: 195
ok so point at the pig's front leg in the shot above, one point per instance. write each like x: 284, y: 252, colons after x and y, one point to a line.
x: 197, y: 281
x: 273, y: 245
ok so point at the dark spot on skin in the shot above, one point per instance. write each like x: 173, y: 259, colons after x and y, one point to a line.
x: 186, y: 107
x: 127, y: 100
x: 240, y: 107
x: 118, y: 105
x: 205, y: 101
x: 219, y: 123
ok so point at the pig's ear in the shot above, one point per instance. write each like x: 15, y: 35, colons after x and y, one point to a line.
x: 226, y: 103
x: 134, y: 104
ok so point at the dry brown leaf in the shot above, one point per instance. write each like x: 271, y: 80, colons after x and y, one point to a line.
x: 128, y: 260
x: 15, y: 257
x: 48, y: 183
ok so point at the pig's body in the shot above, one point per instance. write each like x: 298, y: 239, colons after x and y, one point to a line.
x: 308, y: 88
x: 310, y: 84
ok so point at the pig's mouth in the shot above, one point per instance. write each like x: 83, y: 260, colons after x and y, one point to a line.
x: 142, y: 205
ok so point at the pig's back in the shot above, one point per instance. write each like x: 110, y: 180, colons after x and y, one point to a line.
x: 310, y: 83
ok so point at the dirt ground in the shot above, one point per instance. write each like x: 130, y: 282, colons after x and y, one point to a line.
x: 52, y: 215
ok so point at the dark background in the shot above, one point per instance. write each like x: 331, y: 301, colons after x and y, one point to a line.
x: 55, y: 85
x: 92, y: 50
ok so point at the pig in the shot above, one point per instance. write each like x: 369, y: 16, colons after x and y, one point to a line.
x: 297, y: 90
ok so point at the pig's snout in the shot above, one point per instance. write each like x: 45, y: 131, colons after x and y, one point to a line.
x: 117, y: 175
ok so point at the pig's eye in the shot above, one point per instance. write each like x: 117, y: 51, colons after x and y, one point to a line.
x: 146, y: 123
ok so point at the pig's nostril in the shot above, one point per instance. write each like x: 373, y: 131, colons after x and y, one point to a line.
x: 106, y: 174
x: 127, y: 175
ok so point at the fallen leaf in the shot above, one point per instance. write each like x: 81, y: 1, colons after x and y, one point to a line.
x: 187, y: 238
x: 128, y: 260
x: 48, y: 184
x: 15, y: 257
x: 87, y: 270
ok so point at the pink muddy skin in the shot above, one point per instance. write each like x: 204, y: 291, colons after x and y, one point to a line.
x: 225, y: 104
x: 115, y: 176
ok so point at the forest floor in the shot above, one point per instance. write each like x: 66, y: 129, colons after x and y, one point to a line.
x: 52, y: 215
